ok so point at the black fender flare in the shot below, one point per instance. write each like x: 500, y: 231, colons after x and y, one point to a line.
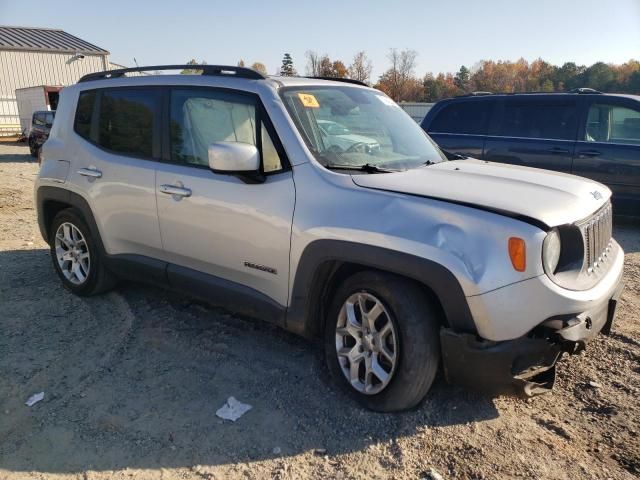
x: 314, y: 272
x: 47, y: 194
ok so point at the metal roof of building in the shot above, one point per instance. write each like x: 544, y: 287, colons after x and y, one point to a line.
x: 45, y: 40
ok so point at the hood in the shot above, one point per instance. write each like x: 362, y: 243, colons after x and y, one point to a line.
x: 550, y: 198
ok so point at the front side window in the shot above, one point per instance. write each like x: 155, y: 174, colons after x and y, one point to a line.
x: 469, y: 117
x: 532, y: 119
x: 612, y: 124
x: 127, y: 120
x: 200, y: 118
x: 352, y: 127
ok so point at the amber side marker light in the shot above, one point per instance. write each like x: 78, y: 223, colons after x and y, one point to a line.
x: 518, y: 253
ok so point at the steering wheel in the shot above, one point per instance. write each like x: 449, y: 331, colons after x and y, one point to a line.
x: 358, y: 147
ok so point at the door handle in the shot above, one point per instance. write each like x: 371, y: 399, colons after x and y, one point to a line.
x: 558, y: 150
x: 173, y: 190
x: 589, y: 153
x: 90, y: 172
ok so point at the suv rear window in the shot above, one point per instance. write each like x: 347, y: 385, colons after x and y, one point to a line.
x: 539, y: 119
x: 470, y: 118
x: 127, y: 120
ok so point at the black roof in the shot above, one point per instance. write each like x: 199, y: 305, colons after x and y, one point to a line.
x: 45, y: 40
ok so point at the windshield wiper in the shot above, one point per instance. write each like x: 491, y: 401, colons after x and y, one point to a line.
x: 453, y: 156
x: 367, y: 167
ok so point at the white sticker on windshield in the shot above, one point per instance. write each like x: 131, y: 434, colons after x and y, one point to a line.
x: 386, y: 101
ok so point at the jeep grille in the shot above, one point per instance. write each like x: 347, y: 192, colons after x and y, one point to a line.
x: 596, y: 233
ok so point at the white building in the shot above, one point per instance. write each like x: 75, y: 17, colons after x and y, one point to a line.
x: 32, y: 57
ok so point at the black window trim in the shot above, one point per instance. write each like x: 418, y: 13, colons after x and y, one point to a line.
x: 262, y: 116
x: 156, y: 147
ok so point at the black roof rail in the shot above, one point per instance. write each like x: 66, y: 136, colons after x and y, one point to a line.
x: 218, y: 70
x: 585, y: 90
x: 341, y: 79
x: 475, y: 94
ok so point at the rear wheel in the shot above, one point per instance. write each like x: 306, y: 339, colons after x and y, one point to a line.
x: 76, y: 257
x: 382, y: 340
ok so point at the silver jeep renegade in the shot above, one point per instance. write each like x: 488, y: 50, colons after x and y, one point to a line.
x: 322, y: 207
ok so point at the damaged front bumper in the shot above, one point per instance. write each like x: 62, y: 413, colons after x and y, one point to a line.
x: 525, y: 365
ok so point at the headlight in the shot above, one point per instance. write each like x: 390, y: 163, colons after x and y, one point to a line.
x: 551, y: 248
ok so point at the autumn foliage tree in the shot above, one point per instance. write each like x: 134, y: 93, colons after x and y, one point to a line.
x: 399, y: 81
x: 361, y: 67
x: 537, y: 76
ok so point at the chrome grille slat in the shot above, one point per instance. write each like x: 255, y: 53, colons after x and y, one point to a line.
x: 596, y: 233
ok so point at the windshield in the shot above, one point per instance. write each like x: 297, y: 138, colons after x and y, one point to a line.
x: 347, y: 126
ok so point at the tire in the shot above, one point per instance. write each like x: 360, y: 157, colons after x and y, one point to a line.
x: 414, y: 336
x: 97, y: 279
x: 32, y: 150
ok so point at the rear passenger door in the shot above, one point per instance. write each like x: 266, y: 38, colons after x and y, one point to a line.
x: 608, y: 149
x: 220, y: 224
x: 461, y: 125
x: 534, y: 131
x: 117, y: 132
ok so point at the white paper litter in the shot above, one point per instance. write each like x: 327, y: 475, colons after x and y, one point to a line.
x: 33, y: 399
x: 233, y: 409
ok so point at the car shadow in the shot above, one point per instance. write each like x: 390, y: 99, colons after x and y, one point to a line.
x: 15, y: 157
x: 133, y: 379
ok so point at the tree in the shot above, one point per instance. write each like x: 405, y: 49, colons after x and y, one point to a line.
x: 399, y: 81
x: 193, y: 71
x: 361, y: 67
x: 462, y: 79
x: 259, y: 67
x: 339, y: 70
x: 287, y: 69
x: 313, y: 63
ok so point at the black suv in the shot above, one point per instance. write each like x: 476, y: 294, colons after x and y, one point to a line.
x: 41, y: 124
x: 585, y: 133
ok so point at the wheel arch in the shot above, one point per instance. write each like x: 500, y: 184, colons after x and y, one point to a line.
x: 52, y: 200
x: 324, y: 264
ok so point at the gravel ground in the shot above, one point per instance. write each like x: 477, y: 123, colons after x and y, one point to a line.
x: 133, y: 379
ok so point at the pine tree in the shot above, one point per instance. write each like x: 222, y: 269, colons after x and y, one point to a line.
x: 287, y: 69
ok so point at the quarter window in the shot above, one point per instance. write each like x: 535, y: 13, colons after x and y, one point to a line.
x: 127, y: 121
x: 200, y: 118
x: 84, y: 114
x: 470, y: 118
x: 539, y: 120
x: 613, y: 124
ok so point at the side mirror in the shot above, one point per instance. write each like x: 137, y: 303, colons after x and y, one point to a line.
x: 234, y: 158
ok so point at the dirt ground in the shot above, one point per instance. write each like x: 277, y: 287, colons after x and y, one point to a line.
x: 133, y: 379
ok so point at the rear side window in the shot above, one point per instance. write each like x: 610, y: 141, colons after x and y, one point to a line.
x: 470, y: 118
x: 84, y: 114
x: 530, y: 119
x: 127, y: 120
x: 613, y: 124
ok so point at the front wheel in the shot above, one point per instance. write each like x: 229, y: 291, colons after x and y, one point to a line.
x: 382, y: 340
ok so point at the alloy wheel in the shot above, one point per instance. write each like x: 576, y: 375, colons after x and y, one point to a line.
x: 72, y: 253
x: 366, y: 343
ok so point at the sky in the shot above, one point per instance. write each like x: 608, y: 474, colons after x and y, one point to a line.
x: 446, y: 34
